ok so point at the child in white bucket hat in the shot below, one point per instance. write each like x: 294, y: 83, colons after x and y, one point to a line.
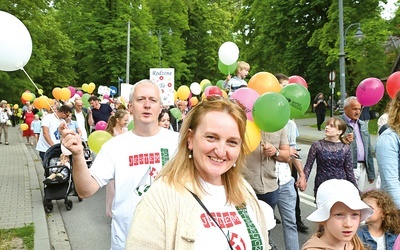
x: 339, y: 213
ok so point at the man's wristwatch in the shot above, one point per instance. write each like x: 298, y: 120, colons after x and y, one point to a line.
x: 277, y: 152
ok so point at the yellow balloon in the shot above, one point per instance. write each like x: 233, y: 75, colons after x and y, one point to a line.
x: 203, y: 82
x: 56, y: 93
x: 85, y: 87
x: 224, y: 94
x: 65, y: 94
x: 252, y: 136
x: 97, y: 139
x: 24, y: 126
x: 91, y: 87
x: 27, y: 96
x: 15, y: 106
x: 183, y: 92
x: 40, y: 91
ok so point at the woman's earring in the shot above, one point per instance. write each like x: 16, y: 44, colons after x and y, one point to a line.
x: 190, y: 154
x: 234, y: 164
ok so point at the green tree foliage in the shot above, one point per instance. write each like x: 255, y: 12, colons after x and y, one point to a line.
x: 76, y: 42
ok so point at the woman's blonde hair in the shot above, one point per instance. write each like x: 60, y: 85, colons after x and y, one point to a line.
x: 355, y: 241
x: 394, y: 113
x: 181, y: 169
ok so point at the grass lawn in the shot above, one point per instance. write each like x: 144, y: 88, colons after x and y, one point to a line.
x: 17, y: 238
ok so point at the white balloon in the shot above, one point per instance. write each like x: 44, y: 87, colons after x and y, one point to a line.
x: 15, y: 43
x: 228, y: 53
x: 195, y: 88
x: 65, y: 151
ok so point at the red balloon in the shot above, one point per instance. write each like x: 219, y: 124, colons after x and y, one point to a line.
x: 214, y: 90
x: 393, y: 84
x: 298, y: 80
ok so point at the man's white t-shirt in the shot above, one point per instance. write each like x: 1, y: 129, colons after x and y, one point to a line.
x: 80, y: 119
x: 52, y: 122
x: 134, y: 162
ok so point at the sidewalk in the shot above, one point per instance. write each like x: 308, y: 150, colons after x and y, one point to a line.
x: 20, y: 190
x: 308, y: 134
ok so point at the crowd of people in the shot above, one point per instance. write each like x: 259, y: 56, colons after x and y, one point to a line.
x: 206, y: 192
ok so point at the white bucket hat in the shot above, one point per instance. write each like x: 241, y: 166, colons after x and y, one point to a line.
x: 332, y: 191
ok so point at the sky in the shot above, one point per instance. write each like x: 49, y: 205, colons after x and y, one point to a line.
x: 389, y: 10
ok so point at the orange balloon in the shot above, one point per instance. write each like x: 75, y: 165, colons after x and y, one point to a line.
x: 43, y: 102
x: 264, y: 82
x: 194, y: 101
x: 65, y: 94
x: 37, y: 104
x: 56, y: 93
x: 24, y: 126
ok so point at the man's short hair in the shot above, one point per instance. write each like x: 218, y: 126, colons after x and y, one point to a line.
x: 65, y: 109
x: 93, y: 98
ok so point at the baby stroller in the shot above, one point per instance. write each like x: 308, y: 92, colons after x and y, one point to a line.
x: 60, y: 187
x: 87, y: 154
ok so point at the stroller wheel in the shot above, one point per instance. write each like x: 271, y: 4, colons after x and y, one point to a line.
x: 68, y: 204
x: 48, y: 206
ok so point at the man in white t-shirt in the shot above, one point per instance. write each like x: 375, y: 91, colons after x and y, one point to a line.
x: 80, y: 115
x: 50, y: 134
x: 133, y: 159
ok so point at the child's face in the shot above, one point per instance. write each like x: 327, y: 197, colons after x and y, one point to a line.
x: 341, y: 226
x: 242, y: 73
x: 376, y: 217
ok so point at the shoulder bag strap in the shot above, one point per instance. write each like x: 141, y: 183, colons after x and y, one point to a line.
x: 209, y: 214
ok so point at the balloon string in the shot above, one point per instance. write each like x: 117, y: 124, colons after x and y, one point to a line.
x: 41, y: 94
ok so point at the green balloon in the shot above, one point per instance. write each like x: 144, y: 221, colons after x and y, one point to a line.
x: 131, y: 125
x: 220, y: 84
x: 205, y: 86
x: 40, y: 113
x: 85, y: 100
x: 175, y: 112
x: 97, y: 138
x: 298, y: 97
x: 271, y: 112
x: 227, y: 69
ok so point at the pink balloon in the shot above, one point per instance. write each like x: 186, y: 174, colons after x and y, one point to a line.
x: 247, y: 97
x: 298, y: 80
x: 101, y: 125
x: 106, y: 97
x: 370, y: 91
x: 72, y: 90
x: 80, y: 93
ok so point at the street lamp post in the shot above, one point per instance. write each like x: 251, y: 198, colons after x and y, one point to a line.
x: 359, y: 35
x: 159, y: 33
